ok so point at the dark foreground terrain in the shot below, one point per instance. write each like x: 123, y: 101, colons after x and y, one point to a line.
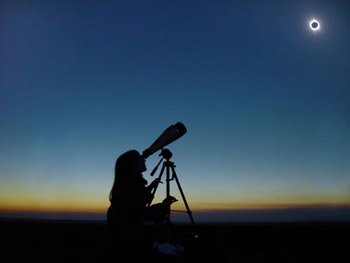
x: 75, y: 241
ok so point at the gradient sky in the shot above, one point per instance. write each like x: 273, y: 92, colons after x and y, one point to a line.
x: 265, y: 100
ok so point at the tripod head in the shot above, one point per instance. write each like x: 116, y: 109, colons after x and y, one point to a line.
x: 166, y: 153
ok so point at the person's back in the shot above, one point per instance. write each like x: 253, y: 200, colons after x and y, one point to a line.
x: 125, y: 213
x: 129, y: 206
x: 128, y: 199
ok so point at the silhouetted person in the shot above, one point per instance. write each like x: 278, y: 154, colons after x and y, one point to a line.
x: 129, y: 199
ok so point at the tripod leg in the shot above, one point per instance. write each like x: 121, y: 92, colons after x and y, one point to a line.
x: 189, y: 212
x: 167, y: 164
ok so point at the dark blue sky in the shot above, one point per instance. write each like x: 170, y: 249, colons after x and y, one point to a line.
x: 264, y: 98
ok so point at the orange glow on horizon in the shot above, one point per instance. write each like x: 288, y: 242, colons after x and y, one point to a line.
x: 197, y: 208
x: 52, y: 209
x: 92, y: 201
x: 281, y: 206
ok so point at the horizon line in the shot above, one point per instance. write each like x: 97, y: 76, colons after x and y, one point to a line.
x: 326, y: 213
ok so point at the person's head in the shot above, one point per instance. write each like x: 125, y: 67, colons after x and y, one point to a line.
x: 130, y: 162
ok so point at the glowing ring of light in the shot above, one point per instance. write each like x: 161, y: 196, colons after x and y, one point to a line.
x: 314, y: 25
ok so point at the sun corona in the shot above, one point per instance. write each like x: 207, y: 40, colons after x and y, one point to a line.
x: 314, y: 25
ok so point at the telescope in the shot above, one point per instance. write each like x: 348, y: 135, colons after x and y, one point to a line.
x: 172, y: 133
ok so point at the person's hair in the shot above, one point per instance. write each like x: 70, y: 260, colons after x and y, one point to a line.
x: 125, y: 165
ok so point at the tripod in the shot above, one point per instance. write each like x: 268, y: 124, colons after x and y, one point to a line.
x: 170, y: 167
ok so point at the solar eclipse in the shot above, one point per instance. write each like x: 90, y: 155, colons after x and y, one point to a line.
x: 314, y: 25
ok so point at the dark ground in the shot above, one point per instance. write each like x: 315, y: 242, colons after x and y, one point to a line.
x: 75, y: 241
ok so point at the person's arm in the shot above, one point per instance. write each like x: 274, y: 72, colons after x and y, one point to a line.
x: 150, y: 190
x: 154, y: 184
